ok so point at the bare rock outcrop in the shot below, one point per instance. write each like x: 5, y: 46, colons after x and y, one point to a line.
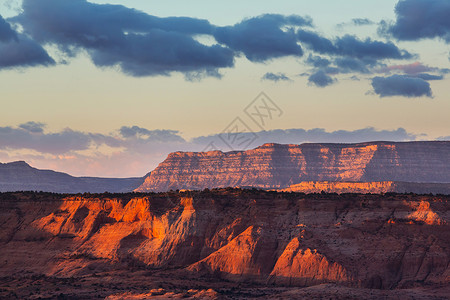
x: 274, y: 166
x: 288, y: 239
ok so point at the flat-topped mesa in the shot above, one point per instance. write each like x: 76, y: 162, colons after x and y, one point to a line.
x: 276, y: 166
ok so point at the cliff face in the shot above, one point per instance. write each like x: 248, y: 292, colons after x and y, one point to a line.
x: 245, y: 236
x: 19, y: 176
x: 279, y: 166
x: 374, y: 187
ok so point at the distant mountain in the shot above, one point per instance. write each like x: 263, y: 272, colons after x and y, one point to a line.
x: 19, y: 176
x: 275, y: 166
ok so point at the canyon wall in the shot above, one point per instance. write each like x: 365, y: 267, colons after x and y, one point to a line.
x: 375, y: 241
x: 274, y: 166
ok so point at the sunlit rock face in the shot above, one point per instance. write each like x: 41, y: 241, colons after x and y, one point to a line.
x: 275, y: 166
x: 375, y: 241
x: 374, y: 187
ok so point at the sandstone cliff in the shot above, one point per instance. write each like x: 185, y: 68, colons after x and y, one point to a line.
x: 376, y: 187
x: 275, y: 166
x: 376, y: 241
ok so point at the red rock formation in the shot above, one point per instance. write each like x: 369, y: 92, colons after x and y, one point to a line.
x: 305, y: 267
x: 377, y: 241
x: 378, y: 187
x: 276, y: 166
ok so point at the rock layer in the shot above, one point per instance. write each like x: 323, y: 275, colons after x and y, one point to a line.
x: 376, y: 187
x: 375, y: 241
x: 274, y: 166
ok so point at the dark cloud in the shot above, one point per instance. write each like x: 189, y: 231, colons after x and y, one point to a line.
x: 275, y: 77
x: 418, y: 19
x: 349, y: 45
x: 33, y: 127
x: 17, y: 50
x: 114, y: 35
x: 316, y: 42
x: 362, y: 21
x: 23, y: 52
x: 144, y: 45
x: 321, y: 79
x: 6, y: 32
x: 318, y: 61
x: 349, y: 64
x: 414, y: 70
x: 401, y: 85
x: 426, y: 76
x: 263, y: 38
x: 352, y: 46
x: 356, y: 22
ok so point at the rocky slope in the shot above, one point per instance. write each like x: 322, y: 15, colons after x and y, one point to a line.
x: 19, y: 176
x: 275, y: 166
x: 376, y: 187
x: 200, y: 239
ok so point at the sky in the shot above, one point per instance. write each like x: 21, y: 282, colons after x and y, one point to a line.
x: 110, y: 88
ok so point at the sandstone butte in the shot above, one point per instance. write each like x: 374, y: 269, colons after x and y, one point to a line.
x: 275, y: 166
x: 221, y: 238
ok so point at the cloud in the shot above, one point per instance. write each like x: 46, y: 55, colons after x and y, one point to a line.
x: 348, y: 64
x: 362, y: 21
x: 136, y: 132
x: 318, y: 61
x: 352, y: 46
x: 275, y: 77
x: 357, y: 22
x: 23, y: 53
x: 318, y: 135
x: 53, y: 143
x: 144, y: 45
x: 33, y: 127
x: 320, y: 79
x: 349, y: 45
x: 17, y: 50
x: 413, y: 68
x: 263, y: 38
x: 114, y: 35
x: 134, y: 151
x: 401, y: 85
x: 316, y: 42
x: 426, y: 76
x: 419, y: 19
x: 32, y: 136
x: 6, y: 32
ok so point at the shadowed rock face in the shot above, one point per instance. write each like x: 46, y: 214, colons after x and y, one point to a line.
x: 376, y: 241
x: 275, y: 166
x: 19, y: 176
